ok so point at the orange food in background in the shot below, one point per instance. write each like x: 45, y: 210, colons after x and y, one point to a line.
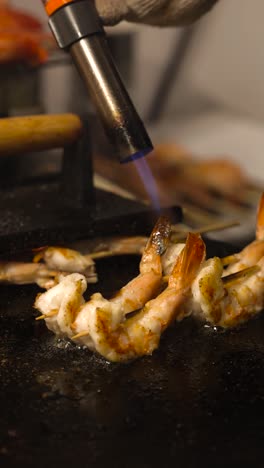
x: 22, y: 38
x: 179, y: 176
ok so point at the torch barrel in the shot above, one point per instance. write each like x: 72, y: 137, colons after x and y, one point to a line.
x: 77, y: 28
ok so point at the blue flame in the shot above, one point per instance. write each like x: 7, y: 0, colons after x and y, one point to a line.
x: 133, y: 157
x: 148, y: 180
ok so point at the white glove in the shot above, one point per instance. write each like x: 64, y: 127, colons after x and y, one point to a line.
x: 153, y: 12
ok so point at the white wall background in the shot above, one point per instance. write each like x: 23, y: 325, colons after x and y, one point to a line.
x: 226, y: 61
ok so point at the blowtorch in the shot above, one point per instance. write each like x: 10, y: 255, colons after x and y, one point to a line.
x: 77, y: 29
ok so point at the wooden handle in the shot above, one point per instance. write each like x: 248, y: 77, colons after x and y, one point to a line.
x: 38, y: 132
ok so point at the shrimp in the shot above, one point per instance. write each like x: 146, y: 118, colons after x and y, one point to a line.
x: 169, y: 257
x: 61, y: 303
x: 101, y: 324
x: 253, y: 252
x: 67, y: 260
x: 175, y: 247
x: 28, y: 273
x: 227, y: 301
x: 228, y: 297
x: 133, y: 245
x: 140, y: 335
x: 131, y: 297
x: 134, y: 295
x: 149, y: 281
x: 58, y: 263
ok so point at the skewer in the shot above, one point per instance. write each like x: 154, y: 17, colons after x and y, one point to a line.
x: 114, y: 249
x: 102, y: 254
x: 234, y: 277
x: 217, y: 226
x: 229, y: 259
x: 197, y: 216
x: 50, y: 314
x: 80, y: 335
x: 41, y: 317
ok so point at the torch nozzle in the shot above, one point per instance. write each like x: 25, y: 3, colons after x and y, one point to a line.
x: 77, y: 28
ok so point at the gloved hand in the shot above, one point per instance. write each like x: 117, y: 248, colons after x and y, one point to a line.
x: 153, y: 12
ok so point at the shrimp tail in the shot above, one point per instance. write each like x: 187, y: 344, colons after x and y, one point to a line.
x: 160, y: 235
x: 188, y: 263
x: 260, y: 219
x: 156, y: 246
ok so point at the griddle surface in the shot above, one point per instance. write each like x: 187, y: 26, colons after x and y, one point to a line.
x: 198, y: 401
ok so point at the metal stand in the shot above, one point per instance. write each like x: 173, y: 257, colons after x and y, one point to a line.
x: 66, y: 207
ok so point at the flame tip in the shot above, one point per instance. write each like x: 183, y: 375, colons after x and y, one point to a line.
x: 136, y: 156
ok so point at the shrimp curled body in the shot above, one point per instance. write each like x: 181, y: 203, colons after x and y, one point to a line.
x: 103, y: 325
x: 229, y: 297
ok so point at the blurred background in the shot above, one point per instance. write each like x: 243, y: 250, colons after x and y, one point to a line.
x: 221, y: 74
x: 199, y: 91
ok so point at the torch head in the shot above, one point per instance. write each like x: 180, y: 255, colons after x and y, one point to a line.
x: 78, y: 29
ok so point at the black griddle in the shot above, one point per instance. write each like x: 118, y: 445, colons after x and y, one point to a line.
x: 198, y: 401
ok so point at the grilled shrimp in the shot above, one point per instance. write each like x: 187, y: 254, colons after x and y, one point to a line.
x: 253, y: 252
x: 73, y: 261
x: 229, y: 297
x: 131, y: 297
x: 227, y: 301
x: 101, y: 324
x: 60, y: 304
x: 28, y: 273
x: 68, y: 261
x: 148, y: 283
x: 58, y: 262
